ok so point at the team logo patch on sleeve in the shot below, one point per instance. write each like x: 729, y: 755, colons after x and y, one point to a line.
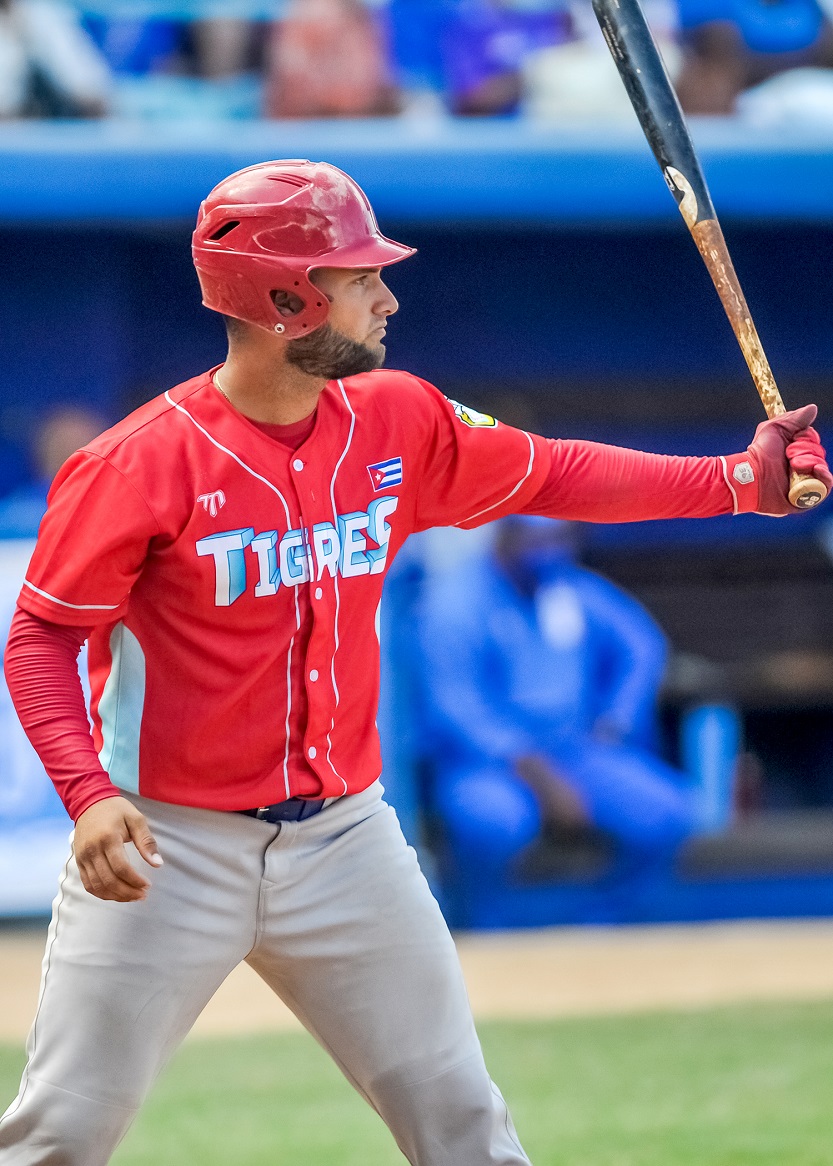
x: 472, y: 417
x: 385, y: 474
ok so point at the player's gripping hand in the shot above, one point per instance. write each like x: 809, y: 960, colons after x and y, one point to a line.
x: 100, y: 835
x: 783, y: 444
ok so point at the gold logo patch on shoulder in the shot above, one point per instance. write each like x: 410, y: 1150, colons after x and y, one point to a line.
x: 472, y: 417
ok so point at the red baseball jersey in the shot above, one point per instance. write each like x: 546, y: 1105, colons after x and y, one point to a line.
x: 233, y: 585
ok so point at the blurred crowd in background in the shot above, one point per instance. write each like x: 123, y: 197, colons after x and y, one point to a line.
x: 769, y: 60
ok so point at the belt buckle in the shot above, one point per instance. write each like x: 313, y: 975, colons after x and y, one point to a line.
x: 262, y: 813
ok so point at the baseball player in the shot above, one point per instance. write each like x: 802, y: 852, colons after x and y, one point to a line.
x: 223, y: 550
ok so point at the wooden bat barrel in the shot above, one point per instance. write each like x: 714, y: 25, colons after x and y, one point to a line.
x: 652, y: 95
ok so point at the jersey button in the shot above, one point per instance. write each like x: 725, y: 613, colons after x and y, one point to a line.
x: 297, y: 464
x: 311, y: 752
x: 313, y: 675
x: 318, y: 593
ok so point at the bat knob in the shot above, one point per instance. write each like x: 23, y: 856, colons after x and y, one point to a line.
x: 806, y: 492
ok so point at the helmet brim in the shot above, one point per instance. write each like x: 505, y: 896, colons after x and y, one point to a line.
x: 379, y: 252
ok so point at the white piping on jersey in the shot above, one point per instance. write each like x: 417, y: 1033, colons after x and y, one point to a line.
x: 728, y: 480
x: 74, y: 606
x: 335, y: 581
x: 275, y: 489
x: 511, y: 492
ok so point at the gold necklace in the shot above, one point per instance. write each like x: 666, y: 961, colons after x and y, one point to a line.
x: 217, y: 385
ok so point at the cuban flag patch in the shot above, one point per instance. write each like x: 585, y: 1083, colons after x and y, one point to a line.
x: 386, y: 474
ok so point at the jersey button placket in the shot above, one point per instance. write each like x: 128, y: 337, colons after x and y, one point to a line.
x: 321, y: 644
x: 305, y: 498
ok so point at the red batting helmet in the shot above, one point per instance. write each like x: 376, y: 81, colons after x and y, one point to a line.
x: 265, y: 228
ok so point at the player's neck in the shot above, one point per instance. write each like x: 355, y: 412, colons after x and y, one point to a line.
x: 267, y: 389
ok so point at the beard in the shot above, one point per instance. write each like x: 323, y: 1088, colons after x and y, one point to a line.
x: 331, y: 355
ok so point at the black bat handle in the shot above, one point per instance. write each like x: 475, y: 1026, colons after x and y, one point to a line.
x: 652, y: 95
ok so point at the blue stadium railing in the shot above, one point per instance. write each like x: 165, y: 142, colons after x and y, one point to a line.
x: 503, y: 172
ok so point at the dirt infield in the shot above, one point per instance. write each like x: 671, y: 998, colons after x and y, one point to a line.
x: 563, y: 972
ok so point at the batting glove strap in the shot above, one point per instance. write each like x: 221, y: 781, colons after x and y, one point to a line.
x: 741, y: 476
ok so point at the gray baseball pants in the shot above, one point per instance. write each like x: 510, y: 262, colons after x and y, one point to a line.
x: 333, y: 913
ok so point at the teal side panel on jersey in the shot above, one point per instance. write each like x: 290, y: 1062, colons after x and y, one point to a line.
x: 120, y: 708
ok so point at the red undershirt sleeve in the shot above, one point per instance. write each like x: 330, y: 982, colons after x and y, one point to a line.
x: 41, y: 666
x: 590, y: 482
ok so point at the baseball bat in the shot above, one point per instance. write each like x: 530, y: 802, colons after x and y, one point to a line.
x: 653, y: 98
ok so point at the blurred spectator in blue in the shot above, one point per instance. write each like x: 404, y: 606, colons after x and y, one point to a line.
x: 485, y: 48
x: 213, y: 48
x: 541, y: 681
x: 49, y: 65
x: 135, y: 46
x: 59, y: 436
x: 208, y: 69
x: 418, y: 32
x: 329, y: 58
x: 472, y: 50
x: 731, y: 46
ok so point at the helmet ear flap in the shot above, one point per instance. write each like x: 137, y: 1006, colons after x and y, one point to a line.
x: 244, y: 286
x: 299, y: 306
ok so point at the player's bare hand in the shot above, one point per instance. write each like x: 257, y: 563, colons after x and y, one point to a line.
x: 781, y: 445
x: 100, y: 835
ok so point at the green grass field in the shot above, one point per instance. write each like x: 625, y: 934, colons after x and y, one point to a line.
x: 744, y: 1086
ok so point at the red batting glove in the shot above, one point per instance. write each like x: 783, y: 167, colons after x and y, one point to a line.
x: 781, y: 445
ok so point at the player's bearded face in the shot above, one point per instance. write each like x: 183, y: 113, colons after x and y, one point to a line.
x: 329, y: 354
x: 351, y: 340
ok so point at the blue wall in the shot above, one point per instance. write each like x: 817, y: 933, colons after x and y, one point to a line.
x: 94, y: 313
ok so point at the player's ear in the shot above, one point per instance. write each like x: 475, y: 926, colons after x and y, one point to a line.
x: 287, y: 303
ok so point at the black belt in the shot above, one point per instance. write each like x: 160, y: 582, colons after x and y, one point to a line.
x: 292, y: 810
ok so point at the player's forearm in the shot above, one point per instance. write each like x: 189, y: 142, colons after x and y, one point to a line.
x: 590, y: 482
x: 41, y: 666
